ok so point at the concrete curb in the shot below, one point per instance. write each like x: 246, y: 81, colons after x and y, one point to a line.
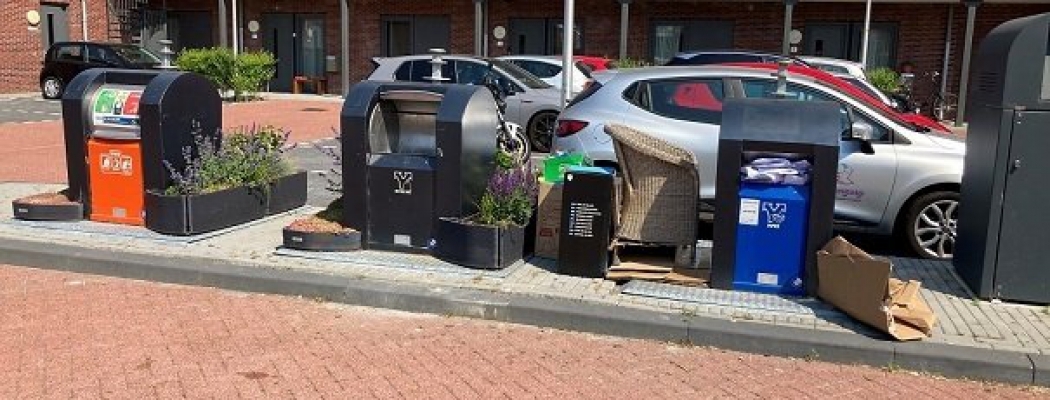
x: 574, y: 315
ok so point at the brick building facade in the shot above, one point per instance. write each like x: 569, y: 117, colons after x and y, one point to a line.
x: 22, y: 45
x: 910, y: 31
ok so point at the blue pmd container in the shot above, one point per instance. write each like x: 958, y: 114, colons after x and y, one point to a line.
x: 771, y: 238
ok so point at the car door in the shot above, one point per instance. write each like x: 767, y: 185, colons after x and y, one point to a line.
x: 545, y: 71
x: 686, y: 112
x: 865, y: 180
x: 68, y: 61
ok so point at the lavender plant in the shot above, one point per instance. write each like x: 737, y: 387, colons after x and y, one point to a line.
x: 509, y: 198
x: 251, y: 157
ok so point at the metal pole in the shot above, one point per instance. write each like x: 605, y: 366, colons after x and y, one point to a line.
x: 867, y: 30
x: 566, y: 51
x: 84, y: 20
x: 236, y: 27
x: 947, y: 49
x: 625, y: 15
x: 344, y: 38
x: 223, y: 20
x: 789, y: 8
x: 479, y: 27
x: 964, y: 77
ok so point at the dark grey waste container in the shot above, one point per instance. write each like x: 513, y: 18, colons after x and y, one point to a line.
x: 413, y: 153
x: 774, y: 128
x: 1003, y: 223
x: 586, y: 222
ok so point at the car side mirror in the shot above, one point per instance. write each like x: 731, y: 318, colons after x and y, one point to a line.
x: 862, y: 132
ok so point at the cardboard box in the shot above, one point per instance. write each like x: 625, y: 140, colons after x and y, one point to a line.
x: 548, y: 219
x: 861, y: 286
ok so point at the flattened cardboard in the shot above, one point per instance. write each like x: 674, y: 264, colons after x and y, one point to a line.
x: 548, y: 219
x: 860, y: 285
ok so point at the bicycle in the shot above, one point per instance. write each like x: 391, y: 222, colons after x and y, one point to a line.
x: 941, y: 103
x: 510, y: 137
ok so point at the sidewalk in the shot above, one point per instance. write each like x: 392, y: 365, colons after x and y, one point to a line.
x: 976, y: 339
x: 35, y: 151
x: 70, y: 335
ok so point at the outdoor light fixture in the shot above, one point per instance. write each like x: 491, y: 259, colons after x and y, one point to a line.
x: 33, y: 18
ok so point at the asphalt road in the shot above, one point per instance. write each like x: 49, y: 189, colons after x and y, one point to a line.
x: 29, y: 109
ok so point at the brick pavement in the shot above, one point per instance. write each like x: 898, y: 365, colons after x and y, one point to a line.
x: 71, y: 335
x: 35, y: 151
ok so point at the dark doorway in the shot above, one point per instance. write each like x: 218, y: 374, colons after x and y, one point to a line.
x: 190, y: 30
x: 843, y: 40
x: 540, y: 36
x: 669, y: 38
x: 413, y: 34
x: 54, y: 25
x: 297, y: 42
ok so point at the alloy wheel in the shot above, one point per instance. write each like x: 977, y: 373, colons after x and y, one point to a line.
x: 542, y: 132
x: 52, y: 88
x: 935, y: 228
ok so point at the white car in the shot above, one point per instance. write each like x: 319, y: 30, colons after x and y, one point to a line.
x: 549, y: 69
x: 836, y: 66
x: 895, y: 175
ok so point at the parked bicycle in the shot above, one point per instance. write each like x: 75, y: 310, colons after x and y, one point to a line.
x: 941, y: 103
x: 510, y: 137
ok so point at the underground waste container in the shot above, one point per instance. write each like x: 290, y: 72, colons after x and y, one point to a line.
x: 775, y: 193
x: 1002, y: 226
x: 413, y: 153
x: 124, y: 129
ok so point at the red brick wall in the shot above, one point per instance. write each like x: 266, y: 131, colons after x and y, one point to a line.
x: 921, y: 27
x: 22, y: 49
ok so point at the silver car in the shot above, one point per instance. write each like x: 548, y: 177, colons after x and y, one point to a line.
x: 905, y: 179
x: 531, y: 102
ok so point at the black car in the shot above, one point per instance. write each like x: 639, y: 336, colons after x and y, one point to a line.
x: 64, y: 60
x: 708, y: 57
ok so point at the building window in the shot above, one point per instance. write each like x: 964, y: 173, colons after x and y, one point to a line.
x: 843, y: 40
x: 672, y: 37
x: 541, y: 36
x: 413, y: 34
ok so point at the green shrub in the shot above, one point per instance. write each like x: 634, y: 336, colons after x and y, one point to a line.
x: 253, y: 70
x: 509, y: 197
x: 885, y: 79
x: 246, y: 157
x: 242, y: 74
x: 631, y: 63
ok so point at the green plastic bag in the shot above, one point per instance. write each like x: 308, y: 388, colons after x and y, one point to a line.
x: 554, y: 165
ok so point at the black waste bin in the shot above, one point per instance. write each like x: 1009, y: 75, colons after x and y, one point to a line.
x: 413, y: 153
x: 586, y: 222
x: 754, y: 222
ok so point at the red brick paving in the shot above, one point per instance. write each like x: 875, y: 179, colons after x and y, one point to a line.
x: 70, y: 335
x: 35, y: 152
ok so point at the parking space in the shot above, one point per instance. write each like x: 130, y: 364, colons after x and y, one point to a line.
x: 29, y: 108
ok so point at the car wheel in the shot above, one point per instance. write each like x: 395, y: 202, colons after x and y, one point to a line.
x: 51, y: 87
x: 931, y: 225
x: 541, y: 130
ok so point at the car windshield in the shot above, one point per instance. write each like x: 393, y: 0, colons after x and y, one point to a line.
x: 136, y: 54
x: 521, y: 75
x: 875, y: 105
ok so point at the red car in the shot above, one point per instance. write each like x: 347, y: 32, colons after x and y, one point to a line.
x: 846, y: 87
x: 595, y: 63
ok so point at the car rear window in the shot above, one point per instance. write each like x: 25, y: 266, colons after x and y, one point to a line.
x: 69, y: 52
x: 591, y: 88
x: 696, y: 100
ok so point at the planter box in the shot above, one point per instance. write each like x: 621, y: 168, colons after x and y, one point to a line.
x: 478, y: 246
x: 322, y: 241
x: 196, y: 214
x: 48, y: 212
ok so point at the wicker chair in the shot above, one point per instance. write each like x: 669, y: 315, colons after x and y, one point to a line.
x: 660, y: 190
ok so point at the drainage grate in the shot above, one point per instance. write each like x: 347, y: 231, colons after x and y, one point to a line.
x: 726, y: 298
x: 386, y: 259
